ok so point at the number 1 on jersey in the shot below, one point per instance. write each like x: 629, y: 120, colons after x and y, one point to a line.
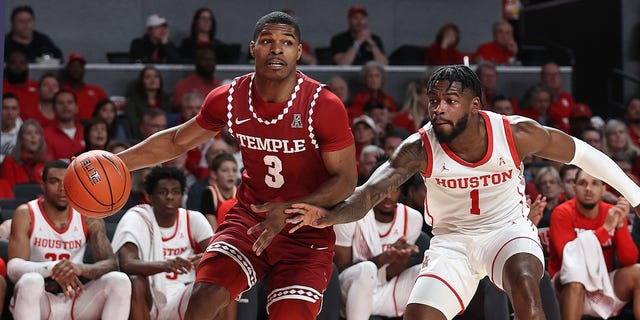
x: 475, y: 201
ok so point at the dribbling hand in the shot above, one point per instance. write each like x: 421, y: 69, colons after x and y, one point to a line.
x: 270, y: 227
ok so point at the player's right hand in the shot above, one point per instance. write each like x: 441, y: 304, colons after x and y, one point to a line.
x: 65, y: 273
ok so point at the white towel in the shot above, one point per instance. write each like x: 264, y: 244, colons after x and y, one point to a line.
x: 583, y: 262
x: 139, y: 226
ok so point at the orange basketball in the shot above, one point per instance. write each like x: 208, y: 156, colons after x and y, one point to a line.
x: 97, y: 184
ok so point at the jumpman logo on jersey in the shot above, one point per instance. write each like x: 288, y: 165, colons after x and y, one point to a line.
x: 444, y: 168
x: 501, y: 161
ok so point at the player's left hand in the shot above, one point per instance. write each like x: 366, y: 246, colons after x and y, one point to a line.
x: 271, y: 226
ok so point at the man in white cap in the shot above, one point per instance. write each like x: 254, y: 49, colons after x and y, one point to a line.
x: 154, y: 46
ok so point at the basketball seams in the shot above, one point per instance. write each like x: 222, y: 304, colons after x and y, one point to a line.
x: 87, y: 190
x: 108, y: 181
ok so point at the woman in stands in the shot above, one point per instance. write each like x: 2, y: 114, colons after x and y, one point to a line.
x: 26, y: 163
x: 147, y: 93
x: 106, y: 110
x: 373, y: 78
x: 444, y: 50
x: 96, y: 136
x: 414, y: 110
x: 203, y: 34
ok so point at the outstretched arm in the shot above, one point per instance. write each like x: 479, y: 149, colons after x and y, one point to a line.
x: 406, y: 161
x: 166, y: 145
x: 532, y: 138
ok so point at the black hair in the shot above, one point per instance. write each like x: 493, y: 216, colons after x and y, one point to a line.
x: 444, y: 28
x: 55, y: 164
x: 217, y: 161
x: 88, y: 125
x: 415, y: 181
x: 457, y: 73
x: 19, y: 9
x: 372, y: 105
x: 9, y: 95
x: 276, y: 17
x: 55, y: 96
x: 139, y: 84
x: 565, y: 168
x: 158, y: 173
x: 194, y: 24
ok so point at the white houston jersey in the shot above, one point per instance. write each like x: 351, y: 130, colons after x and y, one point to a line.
x: 473, y: 198
x: 50, y: 244
x: 180, y: 244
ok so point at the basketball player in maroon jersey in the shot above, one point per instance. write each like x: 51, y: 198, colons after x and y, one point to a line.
x: 470, y: 161
x: 296, y: 147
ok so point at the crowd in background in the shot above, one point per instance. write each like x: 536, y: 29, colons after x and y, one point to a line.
x: 60, y: 116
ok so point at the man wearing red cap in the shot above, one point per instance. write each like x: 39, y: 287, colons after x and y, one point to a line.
x: 357, y: 45
x: 87, y: 95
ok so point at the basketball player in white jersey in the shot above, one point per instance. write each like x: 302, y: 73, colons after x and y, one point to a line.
x: 471, y: 162
x: 159, y: 245
x: 46, y: 250
x: 372, y: 255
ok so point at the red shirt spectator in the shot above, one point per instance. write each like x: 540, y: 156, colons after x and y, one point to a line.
x: 59, y: 145
x: 87, y: 95
x: 503, y: 48
x: 444, y: 49
x: 202, y: 81
x: 566, y: 219
x: 29, y: 171
x: 16, y: 80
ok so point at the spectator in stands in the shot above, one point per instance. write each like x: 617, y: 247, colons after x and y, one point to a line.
x: 25, y: 38
x: 189, y: 108
x: 502, y: 105
x: 202, y: 34
x: 16, y: 80
x: 117, y: 146
x: 44, y: 114
x: 373, y: 258
x: 87, y: 95
x: 392, y: 140
x: 413, y: 193
x: 357, y: 45
x: 414, y: 110
x: 202, y: 81
x: 536, y: 104
x: 154, y: 46
x: 585, y: 235
x: 568, y: 177
x: 46, y: 260
x: 105, y: 109
x: 96, y: 135
x: 307, y: 56
x: 11, y: 123
x: 364, y: 133
x: 444, y: 50
x: 147, y: 93
x: 548, y: 182
x: 373, y: 78
x: 224, y: 169
x: 179, y: 163
x: 26, y: 162
x: 503, y: 49
x: 340, y: 88
x: 579, y: 119
x: 617, y: 140
x: 380, y: 115
x: 593, y: 137
x: 488, y: 76
x: 65, y: 138
x: 632, y: 118
x: 158, y: 245
x: 217, y: 147
x: 562, y: 102
x: 369, y: 157
x: 153, y: 120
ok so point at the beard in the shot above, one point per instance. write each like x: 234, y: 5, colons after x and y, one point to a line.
x: 14, y: 78
x: 588, y: 206
x: 61, y: 207
x: 458, y: 128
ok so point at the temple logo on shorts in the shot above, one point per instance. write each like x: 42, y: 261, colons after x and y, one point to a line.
x: 297, y: 121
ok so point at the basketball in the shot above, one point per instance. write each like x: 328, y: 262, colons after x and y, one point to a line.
x: 97, y: 184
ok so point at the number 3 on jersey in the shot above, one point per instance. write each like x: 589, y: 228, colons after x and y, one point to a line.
x: 475, y: 201
x: 273, y: 178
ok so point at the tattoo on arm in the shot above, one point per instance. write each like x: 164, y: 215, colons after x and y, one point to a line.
x: 387, y: 178
x: 105, y: 260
